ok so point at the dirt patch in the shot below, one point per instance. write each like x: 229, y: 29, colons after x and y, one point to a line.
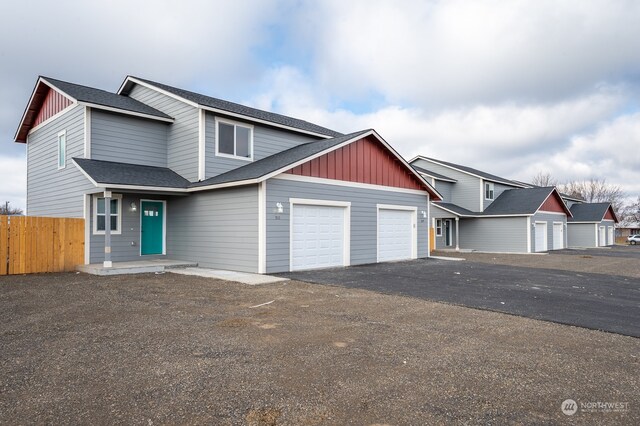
x: 173, y: 349
x: 609, y: 265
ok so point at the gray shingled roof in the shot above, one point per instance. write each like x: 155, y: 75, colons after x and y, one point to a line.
x: 589, y: 212
x: 102, y: 97
x: 112, y: 173
x: 244, y: 110
x: 437, y: 176
x: 277, y: 161
x: 460, y: 211
x: 519, y: 201
x: 487, y: 176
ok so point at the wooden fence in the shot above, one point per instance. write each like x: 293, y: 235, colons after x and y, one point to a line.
x: 30, y: 244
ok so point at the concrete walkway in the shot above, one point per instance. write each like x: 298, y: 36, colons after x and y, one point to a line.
x: 241, y: 277
x: 135, y: 267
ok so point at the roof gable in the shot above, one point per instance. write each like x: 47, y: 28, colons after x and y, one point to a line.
x: 525, y: 201
x: 50, y: 94
x: 471, y: 171
x: 593, y: 212
x: 554, y: 204
x: 364, y: 161
x: 231, y: 108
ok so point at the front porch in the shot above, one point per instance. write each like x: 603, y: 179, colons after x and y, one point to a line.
x: 135, y: 267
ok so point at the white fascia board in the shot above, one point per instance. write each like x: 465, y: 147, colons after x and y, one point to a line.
x: 201, y: 145
x: 503, y: 182
x: 53, y: 117
x: 324, y: 181
x: 157, y: 89
x: 126, y: 112
x: 85, y: 173
x: 550, y: 194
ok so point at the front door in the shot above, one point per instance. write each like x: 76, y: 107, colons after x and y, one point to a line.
x: 152, y: 227
x: 447, y: 232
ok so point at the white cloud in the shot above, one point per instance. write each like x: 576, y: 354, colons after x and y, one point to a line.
x: 442, y: 53
x: 13, y: 178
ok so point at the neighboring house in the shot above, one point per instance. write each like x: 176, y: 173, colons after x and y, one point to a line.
x: 157, y: 171
x: 485, y: 212
x: 592, y: 225
x: 625, y: 229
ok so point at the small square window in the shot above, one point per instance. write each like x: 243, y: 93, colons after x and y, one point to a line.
x: 234, y: 140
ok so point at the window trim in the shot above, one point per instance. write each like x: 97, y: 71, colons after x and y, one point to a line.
x: 490, y: 190
x: 234, y: 124
x: 438, y: 228
x: 64, y: 144
x: 94, y: 215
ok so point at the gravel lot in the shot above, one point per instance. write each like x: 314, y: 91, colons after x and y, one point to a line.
x: 618, y: 260
x: 157, y: 349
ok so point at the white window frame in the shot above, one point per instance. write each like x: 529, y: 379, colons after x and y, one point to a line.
x: 489, y: 188
x: 62, y: 136
x: 95, y: 215
x: 439, y: 228
x: 234, y: 124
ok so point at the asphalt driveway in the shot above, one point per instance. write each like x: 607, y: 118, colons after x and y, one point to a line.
x: 597, y: 301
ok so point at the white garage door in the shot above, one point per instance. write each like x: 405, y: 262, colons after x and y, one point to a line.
x: 395, y: 235
x: 610, y: 240
x: 603, y: 237
x: 317, y: 236
x: 558, y: 236
x: 541, y: 236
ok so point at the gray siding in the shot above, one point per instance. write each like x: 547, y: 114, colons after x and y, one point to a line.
x: 444, y: 188
x: 53, y: 192
x: 124, y: 246
x: 582, y: 234
x: 465, y: 192
x: 126, y: 139
x: 266, y: 141
x: 182, y: 134
x: 549, y: 218
x: 363, y: 218
x: 217, y: 229
x: 505, y: 234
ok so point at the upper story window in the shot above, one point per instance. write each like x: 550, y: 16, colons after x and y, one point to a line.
x: 488, y: 190
x: 234, y: 139
x: 100, y: 216
x: 62, y: 149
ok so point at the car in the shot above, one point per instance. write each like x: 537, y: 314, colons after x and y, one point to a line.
x: 633, y: 239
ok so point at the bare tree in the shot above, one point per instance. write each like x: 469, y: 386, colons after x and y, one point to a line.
x: 544, y: 179
x: 631, y: 213
x: 595, y: 191
x: 8, y: 210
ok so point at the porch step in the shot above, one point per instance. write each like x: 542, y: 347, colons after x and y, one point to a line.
x: 135, y: 267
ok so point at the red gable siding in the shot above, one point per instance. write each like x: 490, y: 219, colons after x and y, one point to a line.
x: 609, y: 215
x: 53, y: 104
x: 552, y: 204
x: 364, y: 161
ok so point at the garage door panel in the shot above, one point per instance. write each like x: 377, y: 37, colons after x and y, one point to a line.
x: 395, y: 235
x: 541, y: 236
x: 318, y: 238
x: 558, y: 236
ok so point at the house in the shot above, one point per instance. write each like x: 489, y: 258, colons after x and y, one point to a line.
x: 161, y: 172
x: 626, y: 229
x: 592, y: 225
x: 485, y: 212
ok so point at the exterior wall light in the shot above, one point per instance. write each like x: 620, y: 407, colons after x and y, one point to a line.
x: 133, y: 206
x: 423, y: 214
x: 279, y: 208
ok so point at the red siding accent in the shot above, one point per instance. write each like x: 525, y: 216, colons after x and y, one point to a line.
x: 552, y: 204
x: 609, y: 215
x: 53, y: 104
x: 364, y: 161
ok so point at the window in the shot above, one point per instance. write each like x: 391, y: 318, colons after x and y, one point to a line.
x: 100, y: 217
x: 488, y: 191
x: 234, y: 139
x: 439, y: 227
x: 62, y: 149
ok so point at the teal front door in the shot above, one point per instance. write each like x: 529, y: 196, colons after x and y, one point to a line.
x: 152, y: 227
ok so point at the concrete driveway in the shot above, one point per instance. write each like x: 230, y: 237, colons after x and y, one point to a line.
x: 602, y: 302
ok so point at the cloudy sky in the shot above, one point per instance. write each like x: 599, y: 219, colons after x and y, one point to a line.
x: 512, y: 88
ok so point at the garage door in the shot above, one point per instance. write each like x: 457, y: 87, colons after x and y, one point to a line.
x: 541, y: 236
x: 317, y: 237
x: 558, y: 236
x: 610, y: 238
x: 602, y: 237
x: 395, y: 235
